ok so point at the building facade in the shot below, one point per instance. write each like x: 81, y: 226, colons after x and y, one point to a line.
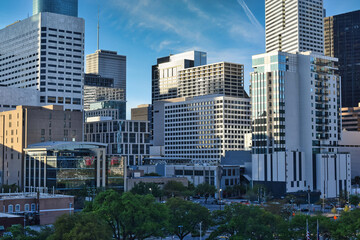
x: 48, y: 207
x: 64, y: 7
x: 28, y: 125
x: 108, y: 64
x: 124, y: 138
x: 342, y: 39
x: 217, y: 78
x: 46, y: 53
x: 294, y: 25
x: 296, y: 124
x: 65, y: 166
x: 24, y: 96
x: 94, y: 94
x: 142, y: 113
x: 351, y: 118
x: 202, y: 128
x: 165, y: 83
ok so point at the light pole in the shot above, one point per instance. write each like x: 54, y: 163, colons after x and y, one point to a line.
x: 220, y: 190
x: 308, y: 192
x: 200, y: 230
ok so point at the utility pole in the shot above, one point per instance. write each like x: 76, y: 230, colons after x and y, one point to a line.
x: 200, y: 230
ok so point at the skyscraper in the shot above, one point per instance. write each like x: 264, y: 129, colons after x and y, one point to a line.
x: 294, y: 25
x: 165, y: 83
x: 342, y: 40
x: 45, y: 52
x: 64, y: 7
x: 108, y: 64
x: 295, y: 99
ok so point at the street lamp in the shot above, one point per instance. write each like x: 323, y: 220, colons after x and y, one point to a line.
x: 220, y: 190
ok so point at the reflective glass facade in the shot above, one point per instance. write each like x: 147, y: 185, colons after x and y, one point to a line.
x: 65, y: 7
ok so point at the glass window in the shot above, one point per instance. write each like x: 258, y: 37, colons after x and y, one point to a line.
x: 27, y: 207
x: 10, y: 208
x: 17, y: 208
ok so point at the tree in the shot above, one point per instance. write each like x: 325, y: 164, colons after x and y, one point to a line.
x: 238, y: 221
x: 147, y: 188
x: 131, y: 216
x: 348, y: 226
x: 175, y: 189
x: 185, y: 217
x: 205, y: 190
x: 81, y: 226
x: 18, y: 232
x: 354, y: 200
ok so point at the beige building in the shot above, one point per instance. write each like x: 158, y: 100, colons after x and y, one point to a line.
x: 28, y: 125
x: 351, y: 118
x: 141, y: 113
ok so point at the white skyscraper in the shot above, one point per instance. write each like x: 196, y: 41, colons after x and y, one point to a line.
x: 45, y: 52
x: 294, y: 25
x: 297, y: 125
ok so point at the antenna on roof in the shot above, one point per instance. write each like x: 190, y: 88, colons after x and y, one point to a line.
x: 98, y: 29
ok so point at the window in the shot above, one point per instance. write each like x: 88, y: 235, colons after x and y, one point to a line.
x: 33, y: 209
x: 17, y: 208
x: 27, y: 207
x: 10, y: 208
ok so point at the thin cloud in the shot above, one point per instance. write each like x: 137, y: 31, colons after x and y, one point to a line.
x: 250, y: 15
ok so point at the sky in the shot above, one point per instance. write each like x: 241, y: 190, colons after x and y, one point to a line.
x: 144, y: 30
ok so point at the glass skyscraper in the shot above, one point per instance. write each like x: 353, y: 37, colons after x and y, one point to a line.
x: 342, y: 40
x: 65, y: 7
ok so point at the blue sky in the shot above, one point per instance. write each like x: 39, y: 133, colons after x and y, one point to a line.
x: 143, y: 30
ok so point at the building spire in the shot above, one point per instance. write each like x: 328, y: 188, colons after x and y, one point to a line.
x: 98, y: 30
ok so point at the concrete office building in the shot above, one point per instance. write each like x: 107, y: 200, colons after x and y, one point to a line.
x: 93, y: 94
x: 297, y: 125
x: 64, y: 7
x: 114, y: 109
x: 350, y: 142
x: 45, y: 52
x: 351, y: 118
x: 28, y: 125
x: 201, y: 128
x: 64, y: 166
x: 108, y: 64
x: 165, y: 83
x: 342, y: 40
x: 217, y: 78
x: 124, y: 138
x: 294, y: 26
x: 142, y: 113
x: 98, y: 81
x: 24, y: 96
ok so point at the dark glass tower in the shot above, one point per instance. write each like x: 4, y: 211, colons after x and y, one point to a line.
x: 342, y: 40
x: 65, y: 7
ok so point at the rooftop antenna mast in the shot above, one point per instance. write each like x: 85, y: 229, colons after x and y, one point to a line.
x: 98, y: 29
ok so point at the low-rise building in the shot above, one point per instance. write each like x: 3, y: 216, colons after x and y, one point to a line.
x: 65, y: 166
x: 44, y: 207
x: 160, y: 181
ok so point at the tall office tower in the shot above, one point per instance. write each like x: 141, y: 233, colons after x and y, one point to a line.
x: 108, y: 64
x: 217, y: 78
x: 297, y: 125
x: 201, y: 128
x: 165, y: 83
x: 64, y: 7
x: 29, y: 125
x: 294, y: 25
x: 45, y: 52
x: 342, y: 40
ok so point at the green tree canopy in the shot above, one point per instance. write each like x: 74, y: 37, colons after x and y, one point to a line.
x: 205, y: 190
x: 131, y: 216
x: 147, y: 188
x: 185, y: 217
x: 81, y: 226
x: 176, y: 189
x: 354, y: 200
